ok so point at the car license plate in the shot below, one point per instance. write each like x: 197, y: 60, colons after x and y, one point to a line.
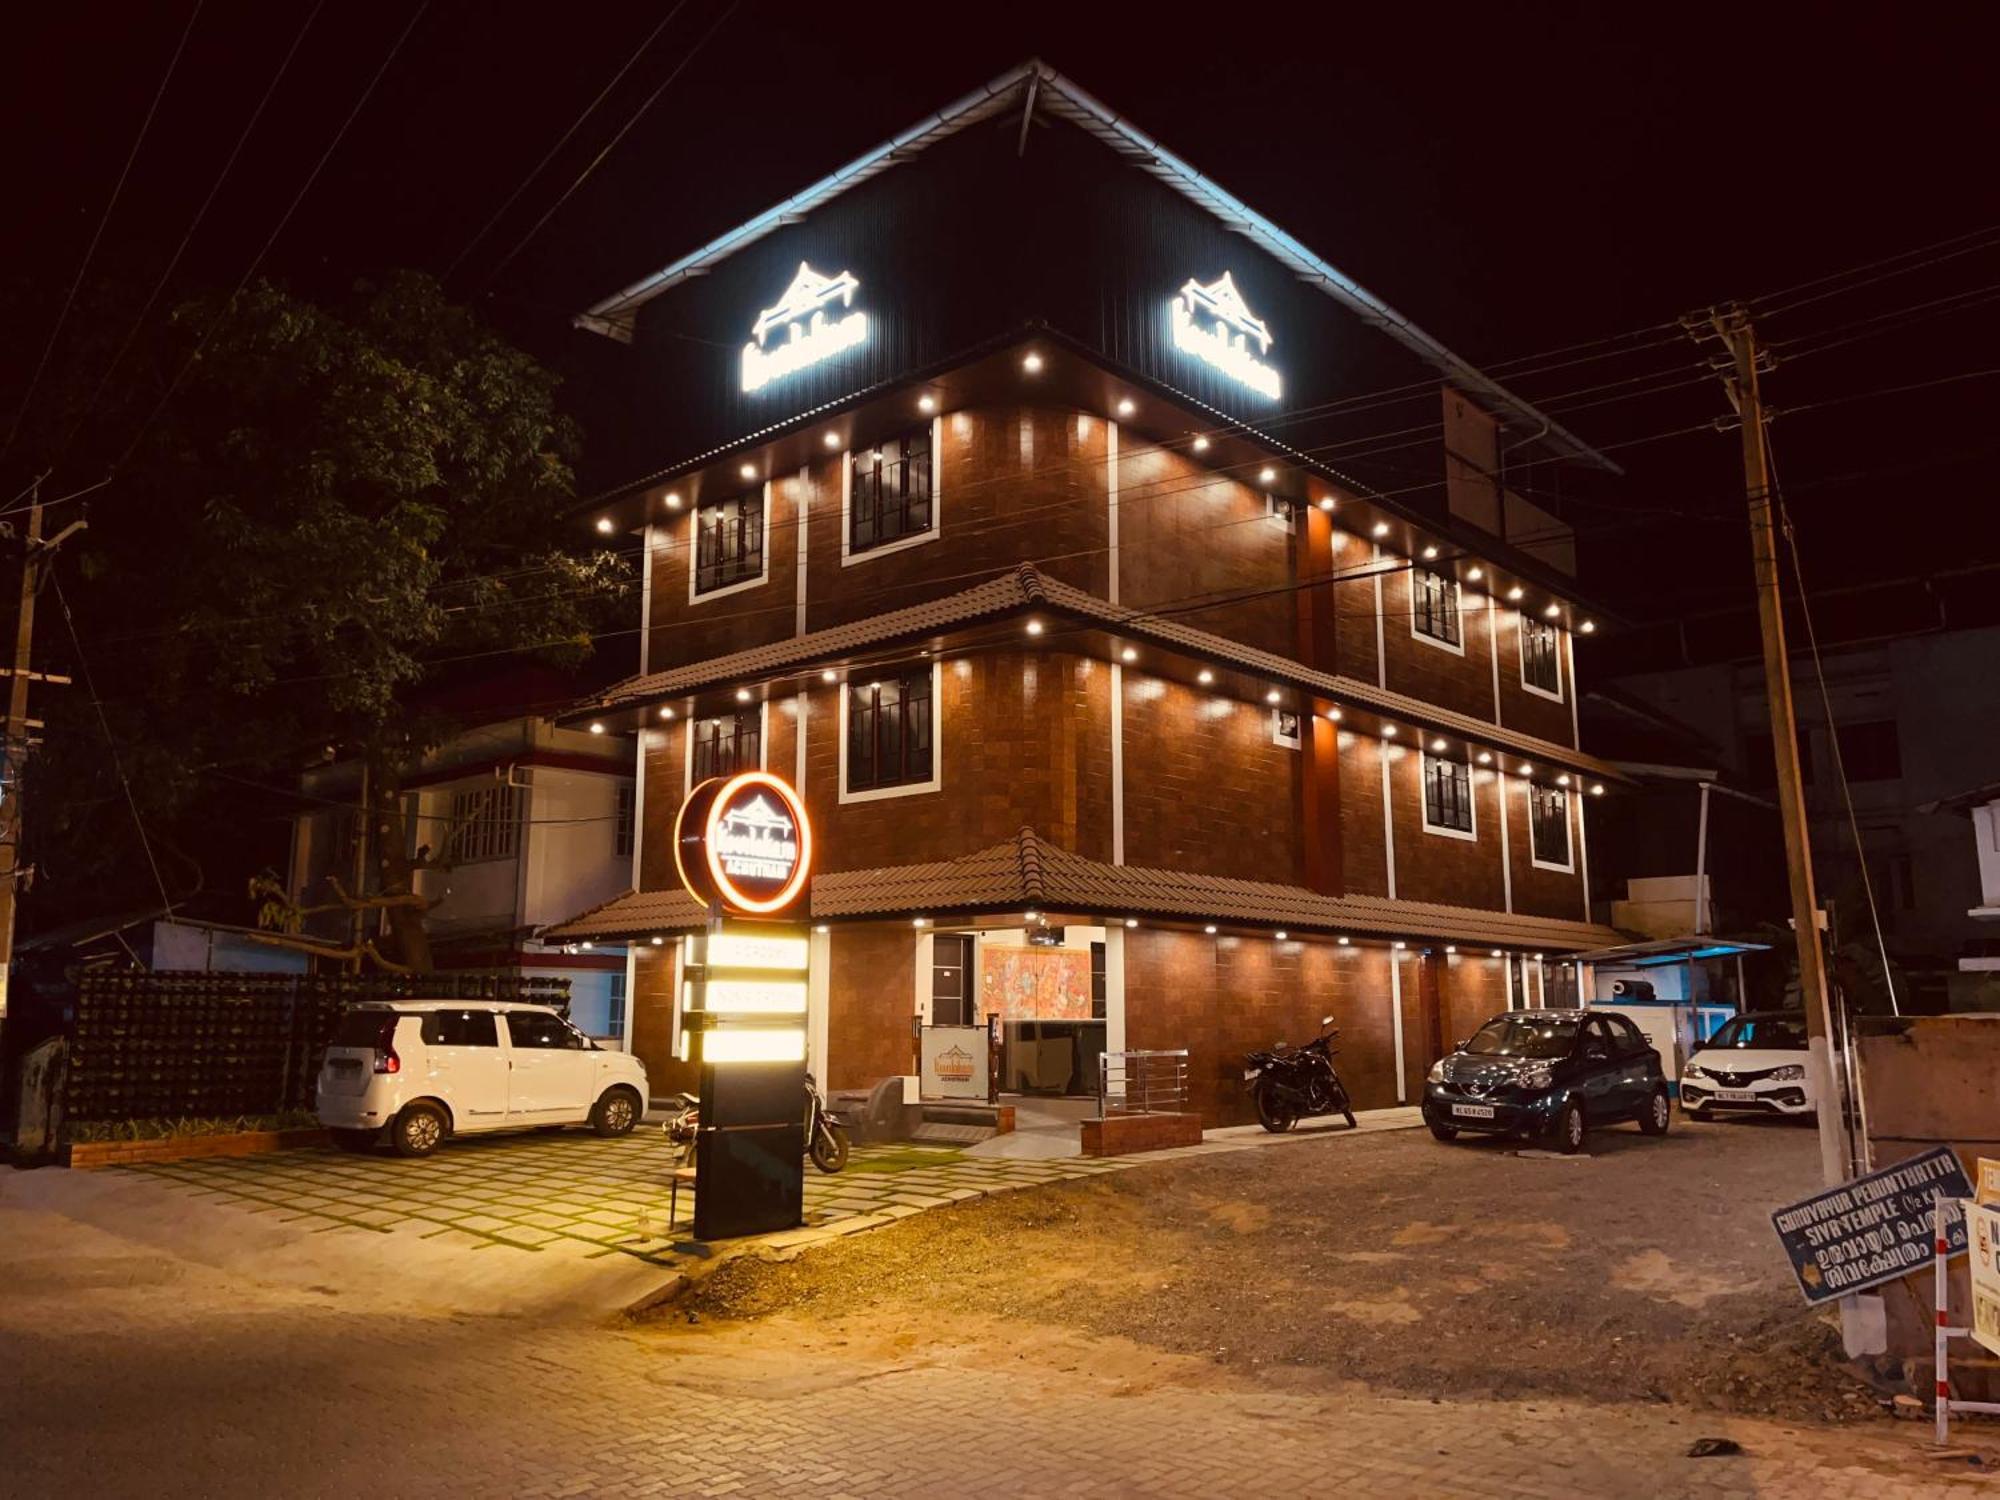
x: 1736, y: 1096
x: 1249, y: 1075
x: 1473, y: 1111
x: 347, y: 1065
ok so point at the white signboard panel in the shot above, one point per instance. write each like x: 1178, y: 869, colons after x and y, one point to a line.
x: 955, y: 1063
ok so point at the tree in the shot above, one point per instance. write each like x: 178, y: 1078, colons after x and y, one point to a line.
x: 333, y: 510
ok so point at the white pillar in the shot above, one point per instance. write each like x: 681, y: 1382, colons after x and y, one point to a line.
x: 819, y: 989
x: 1114, y: 989
x: 1396, y: 1018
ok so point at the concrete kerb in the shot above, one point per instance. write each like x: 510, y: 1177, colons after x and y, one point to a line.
x: 787, y: 1244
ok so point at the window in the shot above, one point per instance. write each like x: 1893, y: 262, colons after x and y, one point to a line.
x: 1548, y: 825
x: 485, y: 824
x: 1447, y: 795
x: 614, y: 1019
x: 1097, y: 981
x: 952, y: 1002
x: 460, y: 1028
x: 1598, y: 1040
x: 729, y: 543
x: 890, y: 495
x: 1541, y: 663
x: 542, y: 1031
x: 625, y: 825
x: 889, y: 732
x: 726, y: 745
x: 1870, y: 752
x: 1435, y: 601
x: 1630, y: 1040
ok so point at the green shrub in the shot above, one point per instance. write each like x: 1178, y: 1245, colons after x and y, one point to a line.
x: 94, y: 1131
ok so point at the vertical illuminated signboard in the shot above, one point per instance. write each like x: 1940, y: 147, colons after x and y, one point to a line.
x: 743, y: 846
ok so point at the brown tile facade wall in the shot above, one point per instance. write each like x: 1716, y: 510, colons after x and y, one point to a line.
x: 1423, y: 668
x: 1186, y: 533
x: 871, y: 998
x: 1362, y: 840
x: 1205, y: 787
x: 684, y: 630
x: 1539, y: 891
x: 655, y: 975
x: 1438, y: 866
x: 1474, y: 989
x: 1221, y: 997
x: 1354, y: 609
x: 1520, y: 708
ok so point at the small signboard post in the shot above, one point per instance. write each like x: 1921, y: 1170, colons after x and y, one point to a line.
x: 1872, y: 1229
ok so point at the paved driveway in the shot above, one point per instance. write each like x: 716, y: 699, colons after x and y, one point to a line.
x: 570, y: 1193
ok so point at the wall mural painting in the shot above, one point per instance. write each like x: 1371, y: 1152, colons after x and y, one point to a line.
x: 1037, y: 984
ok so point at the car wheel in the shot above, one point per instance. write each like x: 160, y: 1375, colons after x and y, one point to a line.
x: 616, y: 1113
x: 1658, y: 1114
x: 356, y: 1140
x: 1444, y: 1132
x: 418, y: 1130
x: 1272, y: 1115
x: 1569, y: 1129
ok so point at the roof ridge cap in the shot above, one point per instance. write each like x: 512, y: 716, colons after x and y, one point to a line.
x: 1028, y: 850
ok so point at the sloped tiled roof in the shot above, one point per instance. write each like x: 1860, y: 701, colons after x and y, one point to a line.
x: 1028, y: 873
x: 1027, y: 588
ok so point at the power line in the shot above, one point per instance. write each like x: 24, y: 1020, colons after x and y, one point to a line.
x: 597, y: 160
x: 562, y: 140
x: 1900, y: 264
x: 118, y: 189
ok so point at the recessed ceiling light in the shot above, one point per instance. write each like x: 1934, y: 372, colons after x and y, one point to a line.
x: 1204, y: 677
x: 1389, y: 731
x: 1514, y: 592
x: 1125, y: 407
x: 1526, y: 769
x: 658, y: 940
x: 1473, y: 575
x: 1032, y: 364
x: 1553, y: 609
x: 1280, y: 934
x: 743, y: 695
x: 1381, y: 528
x: 1399, y: 945
x: 829, y: 675
x: 1496, y: 952
x: 673, y: 500
x: 1128, y: 654
x: 832, y: 440
x: 1131, y: 921
x: 1597, y: 789
x: 596, y: 727
x: 1034, y: 627
x: 1209, y: 929
x: 1429, y: 553
x: 926, y: 403
x: 1563, y: 780
x: 1538, y: 958
x: 666, y: 711
x: 1333, y: 715
x: 1342, y: 941
x: 604, y: 524
x: 821, y: 928
x: 1272, y: 696
x: 1201, y: 445
x: 1587, y: 626
x: 920, y: 921
x: 748, y: 471
x: 1437, y: 747
x: 1451, y: 948
x: 1266, y: 475
x: 1486, y: 757
x: 1031, y: 916
x: 1326, y: 502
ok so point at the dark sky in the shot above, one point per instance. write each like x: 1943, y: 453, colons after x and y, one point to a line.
x: 1514, y: 178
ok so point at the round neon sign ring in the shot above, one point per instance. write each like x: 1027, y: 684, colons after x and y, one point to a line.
x: 708, y: 807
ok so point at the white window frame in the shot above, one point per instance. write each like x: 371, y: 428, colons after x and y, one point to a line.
x: 625, y: 806
x: 687, y: 743
x: 1456, y: 648
x: 694, y: 555
x: 909, y: 789
x: 1294, y: 741
x: 1569, y: 829
x: 848, y: 557
x: 1521, y: 623
x: 1470, y: 835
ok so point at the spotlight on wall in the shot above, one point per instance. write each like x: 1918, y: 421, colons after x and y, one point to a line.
x: 1125, y: 407
x: 586, y: 945
x: 1128, y: 654
x: 604, y: 525
x: 1201, y: 445
x: 1204, y: 677
x: 596, y: 727
x: 926, y: 403
x: 1381, y: 528
x: 1032, y: 364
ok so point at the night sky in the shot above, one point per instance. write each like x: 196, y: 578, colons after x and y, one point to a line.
x: 1513, y: 178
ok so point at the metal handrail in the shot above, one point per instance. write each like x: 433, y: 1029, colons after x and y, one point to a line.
x: 1142, y: 1082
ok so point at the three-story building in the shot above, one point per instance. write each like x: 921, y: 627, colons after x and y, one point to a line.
x: 1028, y: 501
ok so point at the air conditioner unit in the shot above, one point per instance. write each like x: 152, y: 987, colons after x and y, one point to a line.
x: 1632, y: 989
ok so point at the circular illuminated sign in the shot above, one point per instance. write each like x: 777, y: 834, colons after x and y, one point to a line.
x: 743, y: 842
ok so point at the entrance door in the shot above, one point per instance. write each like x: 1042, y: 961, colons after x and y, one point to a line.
x: 952, y: 1000
x: 467, y: 1067
x: 552, y: 1069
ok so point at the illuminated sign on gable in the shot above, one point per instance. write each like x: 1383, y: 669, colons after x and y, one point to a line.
x: 805, y: 327
x: 1214, y: 325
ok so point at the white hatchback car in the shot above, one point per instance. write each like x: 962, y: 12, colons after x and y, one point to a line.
x: 416, y: 1071
x: 1755, y: 1064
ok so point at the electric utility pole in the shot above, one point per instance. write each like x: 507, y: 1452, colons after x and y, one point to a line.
x: 19, y: 730
x: 1732, y: 326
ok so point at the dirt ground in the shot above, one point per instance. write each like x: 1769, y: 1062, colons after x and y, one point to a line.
x: 1645, y: 1270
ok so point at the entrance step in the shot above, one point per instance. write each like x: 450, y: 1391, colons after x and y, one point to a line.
x: 994, y: 1119
x: 940, y: 1133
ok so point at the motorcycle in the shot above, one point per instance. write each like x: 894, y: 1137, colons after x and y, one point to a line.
x: 826, y: 1132
x: 1292, y: 1082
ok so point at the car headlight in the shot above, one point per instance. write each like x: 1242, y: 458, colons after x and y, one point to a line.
x: 1436, y: 1074
x: 1693, y: 1070
x: 1793, y: 1073
x: 1535, y: 1078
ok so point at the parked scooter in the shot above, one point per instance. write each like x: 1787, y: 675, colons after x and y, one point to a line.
x: 826, y: 1132
x: 1293, y: 1082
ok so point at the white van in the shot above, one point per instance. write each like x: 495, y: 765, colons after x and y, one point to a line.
x: 416, y: 1071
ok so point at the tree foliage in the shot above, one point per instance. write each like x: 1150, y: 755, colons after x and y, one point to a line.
x: 335, y: 510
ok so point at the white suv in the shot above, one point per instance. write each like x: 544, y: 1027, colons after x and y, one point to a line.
x: 419, y: 1070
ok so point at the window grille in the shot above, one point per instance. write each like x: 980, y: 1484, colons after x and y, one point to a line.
x: 1548, y: 824
x: 723, y: 746
x: 1541, y: 667
x: 1436, y: 597
x: 1447, y: 794
x: 889, y: 731
x: 485, y: 824
x: 889, y: 494
x: 729, y: 542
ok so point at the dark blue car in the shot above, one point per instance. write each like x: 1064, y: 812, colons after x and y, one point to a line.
x: 1548, y: 1074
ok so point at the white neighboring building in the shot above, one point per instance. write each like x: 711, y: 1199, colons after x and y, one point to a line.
x: 538, y: 824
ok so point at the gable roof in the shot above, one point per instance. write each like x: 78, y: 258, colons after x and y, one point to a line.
x: 1034, y: 85
x: 1027, y: 588
x: 1027, y: 873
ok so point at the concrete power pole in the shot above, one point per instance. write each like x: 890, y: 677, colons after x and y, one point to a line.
x: 1733, y: 325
